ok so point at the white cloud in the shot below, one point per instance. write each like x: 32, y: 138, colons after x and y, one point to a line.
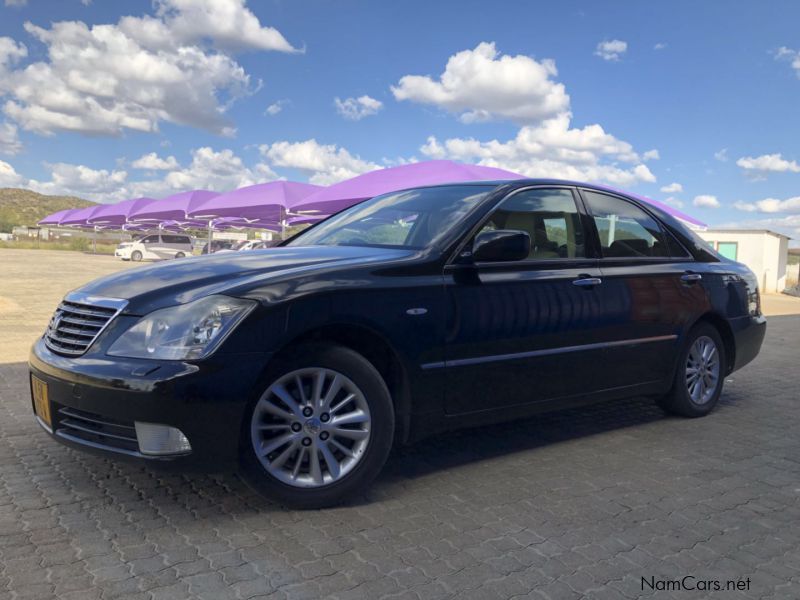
x: 706, y: 201
x: 552, y: 149
x: 104, y: 79
x: 768, y: 163
x: 721, y: 155
x: 9, y: 177
x: 660, y: 46
x: 16, y: 2
x: 480, y: 84
x: 672, y: 188
x: 325, y: 164
x: 790, y: 55
x: 356, y: 109
x: 79, y: 180
x: 228, y: 23
x: 771, y: 205
x: 86, y: 2
x: 209, y: 169
x: 651, y: 155
x: 611, y: 49
x: 276, y: 107
x: 154, y: 162
x: 9, y: 139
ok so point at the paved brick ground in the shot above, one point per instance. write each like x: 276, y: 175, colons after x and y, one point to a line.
x: 581, y: 503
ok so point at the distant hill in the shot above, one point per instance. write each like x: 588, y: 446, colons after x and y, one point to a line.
x: 24, y: 207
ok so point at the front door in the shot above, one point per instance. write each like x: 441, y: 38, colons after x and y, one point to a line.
x: 525, y: 331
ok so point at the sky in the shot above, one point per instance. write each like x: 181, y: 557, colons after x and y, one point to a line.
x: 693, y: 103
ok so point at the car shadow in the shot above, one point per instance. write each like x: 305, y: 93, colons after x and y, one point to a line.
x: 88, y: 473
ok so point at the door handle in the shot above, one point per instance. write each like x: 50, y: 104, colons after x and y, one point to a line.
x: 587, y: 281
x: 691, y: 277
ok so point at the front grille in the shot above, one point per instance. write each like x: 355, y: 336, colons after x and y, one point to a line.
x: 96, y: 430
x: 78, y: 321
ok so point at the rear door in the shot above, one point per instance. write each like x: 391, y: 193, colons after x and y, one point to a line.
x: 649, y: 291
x: 525, y: 331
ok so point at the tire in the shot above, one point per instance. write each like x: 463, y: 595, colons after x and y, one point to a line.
x: 349, y: 455
x: 136, y: 256
x: 706, y: 390
x: 179, y: 255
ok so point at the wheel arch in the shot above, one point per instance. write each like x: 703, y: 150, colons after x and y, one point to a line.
x: 377, y: 349
x: 725, y: 332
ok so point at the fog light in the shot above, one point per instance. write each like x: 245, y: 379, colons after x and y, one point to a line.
x: 160, y: 440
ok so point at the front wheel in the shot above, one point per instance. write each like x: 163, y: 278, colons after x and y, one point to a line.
x: 321, y: 430
x: 136, y: 256
x: 699, y: 376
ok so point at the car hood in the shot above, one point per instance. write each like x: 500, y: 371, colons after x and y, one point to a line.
x: 235, y: 273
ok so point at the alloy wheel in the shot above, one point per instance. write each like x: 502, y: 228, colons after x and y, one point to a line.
x: 311, y: 427
x: 702, y: 370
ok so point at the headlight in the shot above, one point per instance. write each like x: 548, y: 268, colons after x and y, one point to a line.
x: 187, y: 331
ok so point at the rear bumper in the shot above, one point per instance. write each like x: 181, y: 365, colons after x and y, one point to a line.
x: 748, y: 335
x: 204, y: 400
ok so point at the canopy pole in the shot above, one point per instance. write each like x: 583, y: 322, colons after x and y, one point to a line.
x: 283, y: 223
x: 210, y: 225
x: 94, y: 240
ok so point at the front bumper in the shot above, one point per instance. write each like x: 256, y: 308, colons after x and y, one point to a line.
x: 205, y: 400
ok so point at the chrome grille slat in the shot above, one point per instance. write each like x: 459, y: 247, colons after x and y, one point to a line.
x: 84, y: 322
x: 78, y: 321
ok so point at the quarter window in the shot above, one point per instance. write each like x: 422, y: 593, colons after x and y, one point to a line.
x: 625, y: 230
x: 549, y: 216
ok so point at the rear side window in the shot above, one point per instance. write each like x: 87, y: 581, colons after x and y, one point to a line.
x: 625, y: 230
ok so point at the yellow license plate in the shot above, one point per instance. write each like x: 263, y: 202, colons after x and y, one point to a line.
x: 41, y: 400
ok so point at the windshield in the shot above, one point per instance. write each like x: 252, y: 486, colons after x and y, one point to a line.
x: 410, y: 219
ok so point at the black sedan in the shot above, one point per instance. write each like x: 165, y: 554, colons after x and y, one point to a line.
x: 412, y: 313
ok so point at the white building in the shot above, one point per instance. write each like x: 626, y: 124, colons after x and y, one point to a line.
x: 764, y: 251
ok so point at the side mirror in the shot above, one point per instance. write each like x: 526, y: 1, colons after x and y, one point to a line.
x: 501, y: 245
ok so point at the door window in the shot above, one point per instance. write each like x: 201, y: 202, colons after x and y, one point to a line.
x: 625, y: 230
x: 150, y: 239
x: 549, y: 216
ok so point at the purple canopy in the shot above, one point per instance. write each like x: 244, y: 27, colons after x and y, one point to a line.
x: 79, y: 217
x: 264, y: 201
x: 171, y: 208
x: 56, y: 217
x: 117, y: 214
x: 346, y: 193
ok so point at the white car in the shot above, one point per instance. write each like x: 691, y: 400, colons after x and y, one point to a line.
x: 155, y: 247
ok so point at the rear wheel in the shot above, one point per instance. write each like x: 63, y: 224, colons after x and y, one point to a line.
x: 698, y: 379
x: 320, y: 431
x: 136, y: 256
